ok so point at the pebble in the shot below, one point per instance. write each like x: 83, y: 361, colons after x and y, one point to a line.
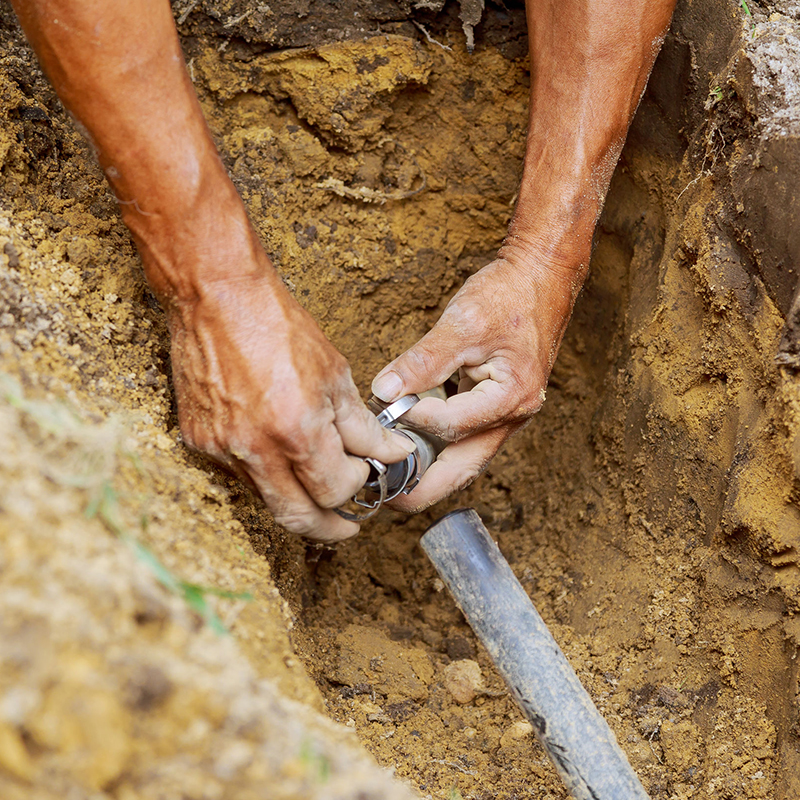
x: 516, y: 733
x: 464, y: 681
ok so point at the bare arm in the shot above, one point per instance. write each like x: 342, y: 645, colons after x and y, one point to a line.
x: 259, y: 388
x: 590, y: 61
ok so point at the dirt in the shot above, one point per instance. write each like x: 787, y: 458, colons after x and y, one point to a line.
x: 651, y: 508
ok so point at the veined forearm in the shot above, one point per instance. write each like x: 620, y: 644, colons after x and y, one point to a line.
x: 590, y: 61
x: 118, y: 67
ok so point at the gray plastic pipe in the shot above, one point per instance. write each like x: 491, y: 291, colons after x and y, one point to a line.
x: 569, y: 726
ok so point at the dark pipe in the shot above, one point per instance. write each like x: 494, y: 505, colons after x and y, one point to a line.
x: 570, y: 728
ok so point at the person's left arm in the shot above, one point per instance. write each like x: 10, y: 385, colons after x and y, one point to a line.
x: 590, y: 61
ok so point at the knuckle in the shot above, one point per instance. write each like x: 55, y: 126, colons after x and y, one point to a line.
x: 350, y: 410
x: 333, y: 498
x: 530, y: 400
x: 200, y: 440
x: 190, y: 438
x: 340, y: 369
x: 521, y: 399
x: 451, y: 431
x: 295, y: 438
x: 191, y: 432
x: 469, y: 478
x: 338, y: 375
x: 296, y: 520
x: 420, y: 360
x: 336, y: 488
x: 327, y: 495
x: 472, y: 316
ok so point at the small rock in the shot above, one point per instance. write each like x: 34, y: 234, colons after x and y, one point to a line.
x: 151, y: 377
x: 463, y: 679
x: 69, y: 276
x: 383, y: 719
x: 400, y: 712
x: 374, y: 713
x: 516, y: 733
x: 12, y: 254
x: 23, y: 339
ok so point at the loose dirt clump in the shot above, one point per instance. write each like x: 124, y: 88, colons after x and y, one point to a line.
x: 650, y: 509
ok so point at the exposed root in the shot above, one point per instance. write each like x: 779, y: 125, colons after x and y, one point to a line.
x: 431, y: 39
x: 367, y: 195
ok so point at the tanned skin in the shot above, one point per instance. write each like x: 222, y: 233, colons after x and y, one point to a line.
x: 259, y: 387
x: 590, y: 60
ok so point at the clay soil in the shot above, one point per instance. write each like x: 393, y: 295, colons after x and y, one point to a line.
x: 161, y: 637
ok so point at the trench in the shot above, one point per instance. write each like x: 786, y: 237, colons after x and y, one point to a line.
x: 649, y: 509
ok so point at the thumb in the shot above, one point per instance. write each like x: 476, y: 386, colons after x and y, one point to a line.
x: 429, y: 363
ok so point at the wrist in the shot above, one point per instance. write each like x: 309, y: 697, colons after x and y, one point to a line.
x: 218, y: 305
x: 554, y: 250
x: 554, y: 221
x: 202, y: 242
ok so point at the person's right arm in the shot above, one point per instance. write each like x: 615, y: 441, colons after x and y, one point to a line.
x: 259, y: 387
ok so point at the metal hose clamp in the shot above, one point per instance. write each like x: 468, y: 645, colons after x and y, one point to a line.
x: 403, y: 476
x: 374, y: 505
x: 390, y: 415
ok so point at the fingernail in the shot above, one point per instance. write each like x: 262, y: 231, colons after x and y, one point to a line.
x: 404, y: 442
x: 387, y: 387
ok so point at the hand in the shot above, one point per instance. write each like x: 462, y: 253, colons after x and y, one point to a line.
x: 262, y: 391
x: 259, y: 388
x: 501, y: 333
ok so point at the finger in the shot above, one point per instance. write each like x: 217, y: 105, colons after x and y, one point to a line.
x: 329, y: 475
x: 363, y: 435
x: 295, y: 511
x: 465, y: 382
x: 487, y: 405
x: 429, y: 363
x: 457, y: 466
